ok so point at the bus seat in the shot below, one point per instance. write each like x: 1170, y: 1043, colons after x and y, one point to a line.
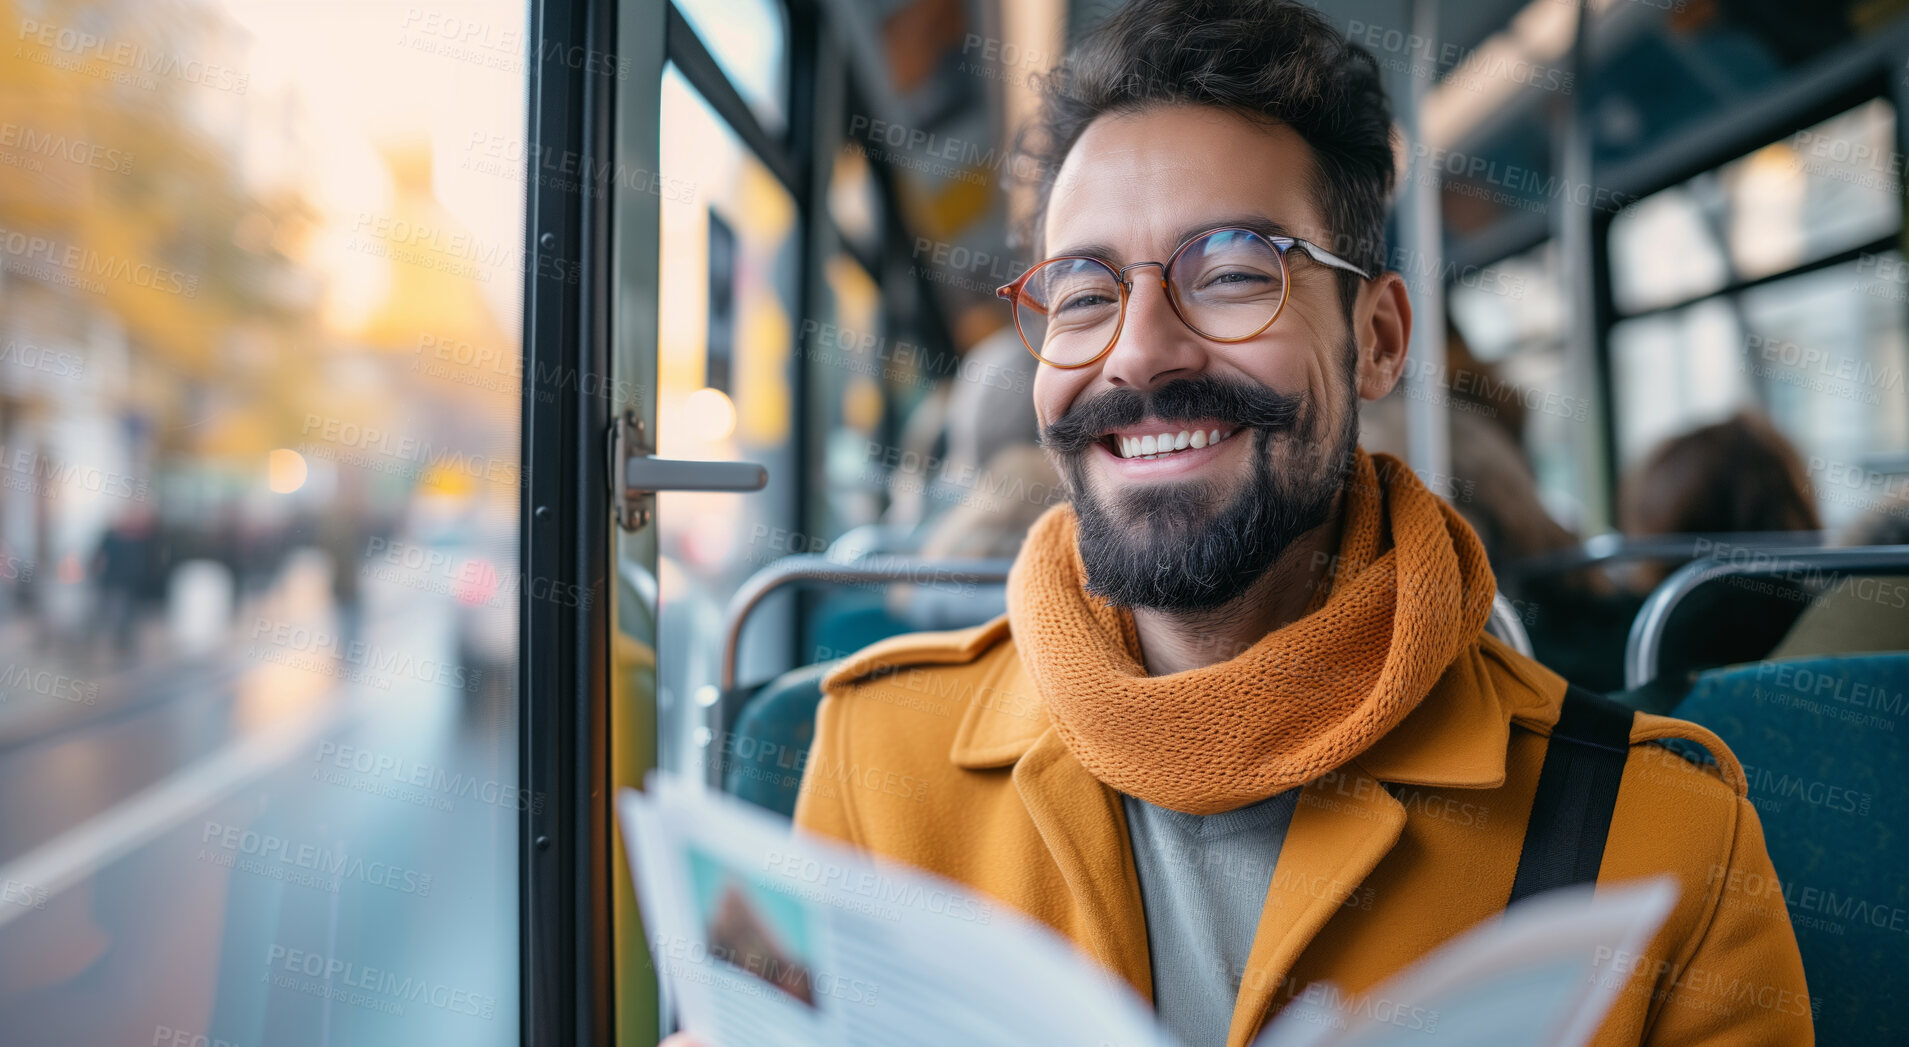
x: 849, y: 620
x: 770, y: 741
x: 844, y: 622
x: 1821, y: 742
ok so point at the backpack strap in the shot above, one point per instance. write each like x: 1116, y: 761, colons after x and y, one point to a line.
x: 1577, y: 791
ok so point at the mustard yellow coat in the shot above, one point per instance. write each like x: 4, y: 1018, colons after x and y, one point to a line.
x: 934, y: 749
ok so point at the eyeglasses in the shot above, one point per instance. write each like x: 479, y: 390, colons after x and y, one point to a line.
x: 1227, y: 284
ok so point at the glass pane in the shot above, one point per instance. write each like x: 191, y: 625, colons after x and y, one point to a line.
x: 853, y: 201
x: 260, y: 271
x: 1675, y: 371
x: 1667, y: 249
x: 1826, y: 189
x: 725, y: 391
x: 847, y: 358
x: 750, y: 40
x: 1826, y: 353
x: 1513, y: 316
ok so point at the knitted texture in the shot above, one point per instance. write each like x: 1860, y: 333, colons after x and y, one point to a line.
x: 1409, y: 591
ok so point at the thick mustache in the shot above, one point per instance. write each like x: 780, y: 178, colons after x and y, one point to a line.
x: 1184, y: 400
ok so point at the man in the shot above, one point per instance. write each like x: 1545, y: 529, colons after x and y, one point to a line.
x: 1241, y: 730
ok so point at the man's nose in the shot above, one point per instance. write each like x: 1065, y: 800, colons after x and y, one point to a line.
x: 1154, y: 346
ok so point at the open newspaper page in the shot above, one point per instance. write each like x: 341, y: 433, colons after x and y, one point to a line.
x: 767, y: 938
x: 1544, y: 976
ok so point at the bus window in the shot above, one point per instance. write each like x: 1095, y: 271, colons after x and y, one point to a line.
x: 1771, y: 282
x: 727, y: 327
x: 260, y: 391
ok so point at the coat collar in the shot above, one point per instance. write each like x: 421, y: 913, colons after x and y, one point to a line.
x: 1342, y: 828
x: 1456, y: 737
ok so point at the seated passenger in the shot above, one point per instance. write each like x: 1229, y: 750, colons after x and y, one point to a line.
x: 1241, y: 730
x: 1736, y: 477
x: 1858, y: 614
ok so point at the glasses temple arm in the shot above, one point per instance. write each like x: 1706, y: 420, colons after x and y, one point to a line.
x: 1321, y: 255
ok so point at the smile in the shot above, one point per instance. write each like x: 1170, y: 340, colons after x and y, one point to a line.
x: 1149, y: 446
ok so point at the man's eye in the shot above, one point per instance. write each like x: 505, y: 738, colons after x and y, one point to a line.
x: 1236, y: 278
x: 1086, y: 300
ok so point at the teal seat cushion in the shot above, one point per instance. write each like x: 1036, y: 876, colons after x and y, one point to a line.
x: 1821, y: 742
x: 764, y: 754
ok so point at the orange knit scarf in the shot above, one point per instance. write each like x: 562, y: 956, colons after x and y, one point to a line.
x: 1410, y: 591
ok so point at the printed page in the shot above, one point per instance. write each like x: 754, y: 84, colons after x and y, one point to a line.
x: 770, y: 939
x: 1542, y: 976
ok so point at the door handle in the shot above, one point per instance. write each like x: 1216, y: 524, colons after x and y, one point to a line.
x: 635, y: 477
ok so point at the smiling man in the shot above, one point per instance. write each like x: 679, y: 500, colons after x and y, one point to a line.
x: 1242, y: 729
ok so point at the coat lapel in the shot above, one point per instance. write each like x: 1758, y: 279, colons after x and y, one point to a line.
x: 1342, y: 826
x: 1085, y: 829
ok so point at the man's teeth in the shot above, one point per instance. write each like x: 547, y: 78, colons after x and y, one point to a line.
x: 1166, y: 443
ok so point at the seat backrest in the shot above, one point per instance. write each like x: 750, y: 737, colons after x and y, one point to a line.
x: 763, y: 757
x: 1822, y: 743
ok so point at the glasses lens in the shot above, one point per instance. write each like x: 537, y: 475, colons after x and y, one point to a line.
x: 1229, y: 283
x: 1069, y: 310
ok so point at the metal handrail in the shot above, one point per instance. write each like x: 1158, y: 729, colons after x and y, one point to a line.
x: 819, y: 569
x: 1505, y: 624
x: 1645, y: 645
x: 1613, y: 548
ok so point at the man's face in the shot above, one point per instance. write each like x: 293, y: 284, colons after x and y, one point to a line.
x: 1193, y: 529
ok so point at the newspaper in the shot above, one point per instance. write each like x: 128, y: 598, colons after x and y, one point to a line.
x: 765, y: 938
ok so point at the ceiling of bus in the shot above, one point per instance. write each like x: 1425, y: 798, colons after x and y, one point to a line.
x: 1659, y: 69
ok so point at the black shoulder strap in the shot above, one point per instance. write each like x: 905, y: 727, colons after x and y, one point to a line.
x: 1577, y: 790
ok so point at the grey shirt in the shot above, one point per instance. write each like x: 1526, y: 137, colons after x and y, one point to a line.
x: 1203, y: 883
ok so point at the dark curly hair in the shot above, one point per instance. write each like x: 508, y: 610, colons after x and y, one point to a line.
x: 1270, y: 60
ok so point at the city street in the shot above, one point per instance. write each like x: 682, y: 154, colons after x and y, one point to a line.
x: 302, y: 840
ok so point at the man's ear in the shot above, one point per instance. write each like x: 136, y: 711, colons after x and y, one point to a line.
x: 1382, y: 329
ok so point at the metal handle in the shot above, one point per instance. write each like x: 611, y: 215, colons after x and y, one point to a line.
x: 635, y: 476
x: 646, y: 475
x: 1646, y: 641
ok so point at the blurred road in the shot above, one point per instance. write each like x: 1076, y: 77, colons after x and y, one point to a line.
x: 303, y: 839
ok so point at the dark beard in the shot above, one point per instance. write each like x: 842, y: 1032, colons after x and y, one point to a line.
x: 1169, y: 546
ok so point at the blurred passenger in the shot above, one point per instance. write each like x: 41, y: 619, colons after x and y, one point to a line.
x: 993, y: 481
x: 1737, y: 478
x: 1858, y: 614
x: 1491, y: 486
x: 130, y: 577
x: 989, y: 489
